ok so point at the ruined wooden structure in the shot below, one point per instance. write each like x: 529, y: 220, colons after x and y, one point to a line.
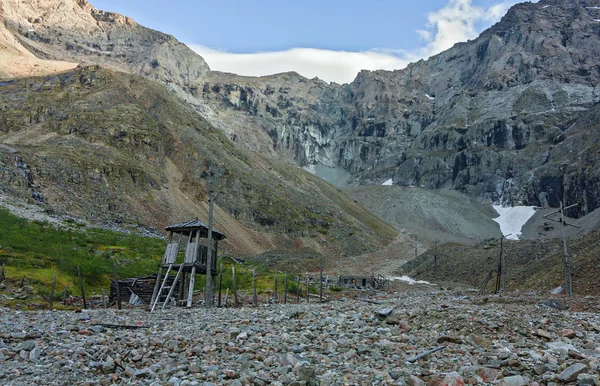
x: 186, y: 256
x: 356, y: 281
x: 142, y: 287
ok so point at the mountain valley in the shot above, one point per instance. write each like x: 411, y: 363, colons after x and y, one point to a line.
x: 117, y: 123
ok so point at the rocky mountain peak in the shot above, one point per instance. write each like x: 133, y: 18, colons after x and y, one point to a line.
x: 75, y: 31
x: 103, y: 16
x: 497, y: 117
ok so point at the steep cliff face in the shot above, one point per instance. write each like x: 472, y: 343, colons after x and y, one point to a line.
x: 496, y: 117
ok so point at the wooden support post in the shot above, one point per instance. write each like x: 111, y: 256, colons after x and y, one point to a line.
x: 182, y: 293
x: 485, y: 282
x: 65, y: 296
x: 209, y: 293
x: 156, y: 284
x: 226, y: 296
x: 416, y: 246
x: 220, y: 283
x: 103, y: 299
x: 192, y: 283
x: 81, y: 287
x: 52, y: 291
x: 567, y: 262
x: 2, y: 277
x: 435, y: 257
x: 498, y: 274
x: 117, y: 289
x: 307, y: 289
x: 191, y: 280
x: 285, y: 289
x: 254, y: 294
x: 274, y: 288
x: 235, y: 297
x: 503, y: 264
x: 22, y: 282
x: 568, y: 284
x: 297, y: 289
x: 321, y: 279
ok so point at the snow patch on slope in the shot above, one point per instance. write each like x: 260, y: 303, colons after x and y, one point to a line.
x: 409, y: 280
x: 389, y: 182
x: 512, y: 219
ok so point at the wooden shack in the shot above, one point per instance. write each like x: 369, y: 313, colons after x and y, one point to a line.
x: 357, y: 281
x: 186, y: 255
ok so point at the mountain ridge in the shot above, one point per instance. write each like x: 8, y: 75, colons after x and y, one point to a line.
x: 497, y: 118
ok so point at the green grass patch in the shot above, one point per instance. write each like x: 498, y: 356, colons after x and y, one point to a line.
x: 34, y: 251
x: 37, y: 250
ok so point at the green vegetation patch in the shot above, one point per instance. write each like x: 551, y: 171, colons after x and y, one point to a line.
x: 37, y: 250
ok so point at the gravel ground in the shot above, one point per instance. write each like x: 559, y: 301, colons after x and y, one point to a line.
x: 486, y: 340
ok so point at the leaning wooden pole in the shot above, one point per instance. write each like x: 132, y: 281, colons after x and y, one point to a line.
x: 285, y: 289
x: 297, y: 289
x: 220, y: 283
x: 321, y: 279
x: 2, y: 277
x: 435, y: 257
x: 65, y: 296
x: 192, y: 279
x: 254, y: 295
x: 209, y: 290
x: 81, y: 287
x: 117, y: 289
x: 52, y: 291
x: 503, y: 264
x: 275, y: 289
x: 307, y: 289
x: 567, y: 262
x: 235, y: 297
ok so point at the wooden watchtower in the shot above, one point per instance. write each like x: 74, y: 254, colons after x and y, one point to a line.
x: 186, y: 256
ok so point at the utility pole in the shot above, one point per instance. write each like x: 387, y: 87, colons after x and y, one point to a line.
x: 502, y: 264
x: 209, y: 292
x: 568, y: 284
x: 321, y: 279
x: 501, y: 272
x: 435, y: 256
x: 416, y: 246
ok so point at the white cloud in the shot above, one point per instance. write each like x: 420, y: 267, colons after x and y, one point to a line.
x: 457, y: 21
x: 331, y: 66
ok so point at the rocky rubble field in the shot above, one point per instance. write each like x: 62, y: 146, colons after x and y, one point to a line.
x: 466, y: 339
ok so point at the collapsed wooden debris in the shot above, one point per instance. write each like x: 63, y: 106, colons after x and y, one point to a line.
x: 378, y: 282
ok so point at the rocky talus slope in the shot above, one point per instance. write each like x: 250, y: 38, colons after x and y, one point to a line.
x: 493, y: 341
x: 531, y: 265
x: 114, y: 147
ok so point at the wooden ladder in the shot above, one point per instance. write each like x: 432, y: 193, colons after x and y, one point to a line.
x: 164, y: 287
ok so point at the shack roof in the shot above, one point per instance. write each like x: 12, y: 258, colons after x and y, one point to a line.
x: 194, y: 225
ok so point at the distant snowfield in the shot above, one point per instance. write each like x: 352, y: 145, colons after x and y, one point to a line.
x: 389, y: 182
x: 512, y: 219
x: 409, y: 280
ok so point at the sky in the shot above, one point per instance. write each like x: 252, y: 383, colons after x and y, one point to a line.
x: 329, y: 39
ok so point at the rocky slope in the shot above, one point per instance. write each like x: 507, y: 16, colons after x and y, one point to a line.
x: 502, y: 341
x: 114, y: 147
x: 532, y: 265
